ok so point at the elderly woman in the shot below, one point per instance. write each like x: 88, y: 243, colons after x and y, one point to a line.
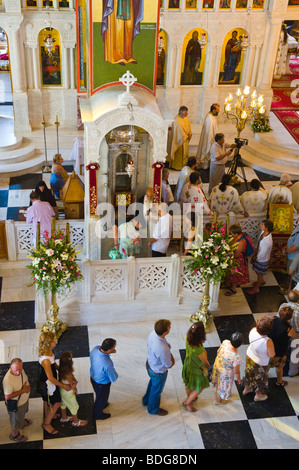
x: 259, y: 352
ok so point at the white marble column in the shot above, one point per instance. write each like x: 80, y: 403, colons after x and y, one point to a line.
x: 16, y: 59
x: 271, y: 50
x: 28, y: 51
x: 36, y: 67
x: 72, y: 67
x: 217, y: 66
x: 254, y: 70
x: 65, y: 67
x: 178, y: 64
x: 170, y: 67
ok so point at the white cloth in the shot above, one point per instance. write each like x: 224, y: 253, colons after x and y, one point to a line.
x: 225, y: 201
x: 207, y: 137
x: 162, y: 233
x: 280, y: 194
x: 265, y: 248
x: 254, y: 201
x: 77, y: 153
x: 192, y: 194
x: 257, y: 349
x: 182, y: 179
x: 40, y: 211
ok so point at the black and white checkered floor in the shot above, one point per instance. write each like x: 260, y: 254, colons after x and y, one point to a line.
x: 239, y: 424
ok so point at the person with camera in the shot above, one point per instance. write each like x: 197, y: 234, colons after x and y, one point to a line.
x: 219, y: 153
x: 16, y: 390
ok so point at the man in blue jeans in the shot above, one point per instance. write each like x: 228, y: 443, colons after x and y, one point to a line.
x: 159, y: 360
x: 102, y: 373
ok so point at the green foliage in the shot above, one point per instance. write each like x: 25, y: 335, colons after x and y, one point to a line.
x: 214, y: 259
x: 54, y: 265
x: 261, y: 124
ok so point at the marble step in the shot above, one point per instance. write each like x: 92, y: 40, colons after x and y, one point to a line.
x: 33, y: 164
x: 22, y: 150
x: 278, y: 155
x: 266, y: 165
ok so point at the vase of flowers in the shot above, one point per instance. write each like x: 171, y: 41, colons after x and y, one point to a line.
x: 212, y: 261
x: 54, y: 270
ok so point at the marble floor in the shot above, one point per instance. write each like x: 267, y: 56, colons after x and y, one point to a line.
x: 241, y: 423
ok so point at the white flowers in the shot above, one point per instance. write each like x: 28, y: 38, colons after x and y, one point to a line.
x: 50, y: 252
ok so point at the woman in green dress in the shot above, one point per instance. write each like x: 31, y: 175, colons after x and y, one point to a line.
x: 196, y: 365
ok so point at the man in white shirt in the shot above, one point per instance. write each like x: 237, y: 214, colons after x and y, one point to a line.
x: 40, y: 211
x: 162, y: 232
x: 219, y: 153
x: 207, y: 136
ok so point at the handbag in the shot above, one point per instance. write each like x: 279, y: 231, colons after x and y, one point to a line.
x: 114, y: 253
x: 12, y: 404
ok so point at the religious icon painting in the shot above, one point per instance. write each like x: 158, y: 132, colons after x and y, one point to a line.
x: 49, y: 41
x: 208, y: 3
x: 232, y: 58
x: 191, y: 4
x: 31, y: 3
x: 161, y: 59
x: 193, y: 60
x: 258, y: 4
x: 48, y: 3
x: 122, y: 35
x: 174, y: 4
x: 64, y: 4
x: 282, y: 218
x: 241, y: 4
x: 293, y: 3
x: 224, y: 4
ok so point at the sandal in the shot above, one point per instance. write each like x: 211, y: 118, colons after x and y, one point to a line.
x: 230, y: 292
x: 189, y: 407
x: 282, y: 384
x: 53, y: 431
x: 27, y: 422
x: 67, y: 420
x: 79, y: 423
x: 18, y: 438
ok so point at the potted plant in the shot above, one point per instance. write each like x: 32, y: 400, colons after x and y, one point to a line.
x: 212, y: 261
x: 54, y: 270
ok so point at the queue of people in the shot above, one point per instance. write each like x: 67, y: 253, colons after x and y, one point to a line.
x: 270, y: 344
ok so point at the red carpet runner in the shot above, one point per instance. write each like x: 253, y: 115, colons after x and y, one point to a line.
x: 290, y: 120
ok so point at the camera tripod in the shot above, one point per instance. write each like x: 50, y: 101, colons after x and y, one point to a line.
x: 237, y: 161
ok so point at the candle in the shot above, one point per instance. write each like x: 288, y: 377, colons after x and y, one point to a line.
x: 227, y: 107
x: 262, y: 109
x: 239, y: 92
x: 68, y: 232
x: 243, y: 114
x: 246, y: 90
x: 254, y: 95
x: 227, y: 225
x: 37, y: 235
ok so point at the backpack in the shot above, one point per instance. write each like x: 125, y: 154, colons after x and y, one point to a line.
x: 249, y: 245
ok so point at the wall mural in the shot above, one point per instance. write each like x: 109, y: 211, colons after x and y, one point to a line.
x: 123, y: 37
x: 232, y: 58
x: 193, y: 60
x: 49, y: 41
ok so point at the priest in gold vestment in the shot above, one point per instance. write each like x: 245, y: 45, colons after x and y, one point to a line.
x: 179, y: 139
x: 120, y: 25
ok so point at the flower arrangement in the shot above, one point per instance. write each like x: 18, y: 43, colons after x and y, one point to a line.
x: 261, y: 124
x: 54, y: 264
x: 214, y: 259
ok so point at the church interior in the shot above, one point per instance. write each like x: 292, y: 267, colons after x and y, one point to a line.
x: 106, y: 101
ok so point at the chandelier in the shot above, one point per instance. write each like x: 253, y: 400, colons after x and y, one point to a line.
x: 240, y: 112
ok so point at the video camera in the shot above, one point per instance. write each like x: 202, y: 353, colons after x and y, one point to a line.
x: 240, y: 142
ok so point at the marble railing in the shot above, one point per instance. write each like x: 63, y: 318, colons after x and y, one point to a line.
x: 19, y: 234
